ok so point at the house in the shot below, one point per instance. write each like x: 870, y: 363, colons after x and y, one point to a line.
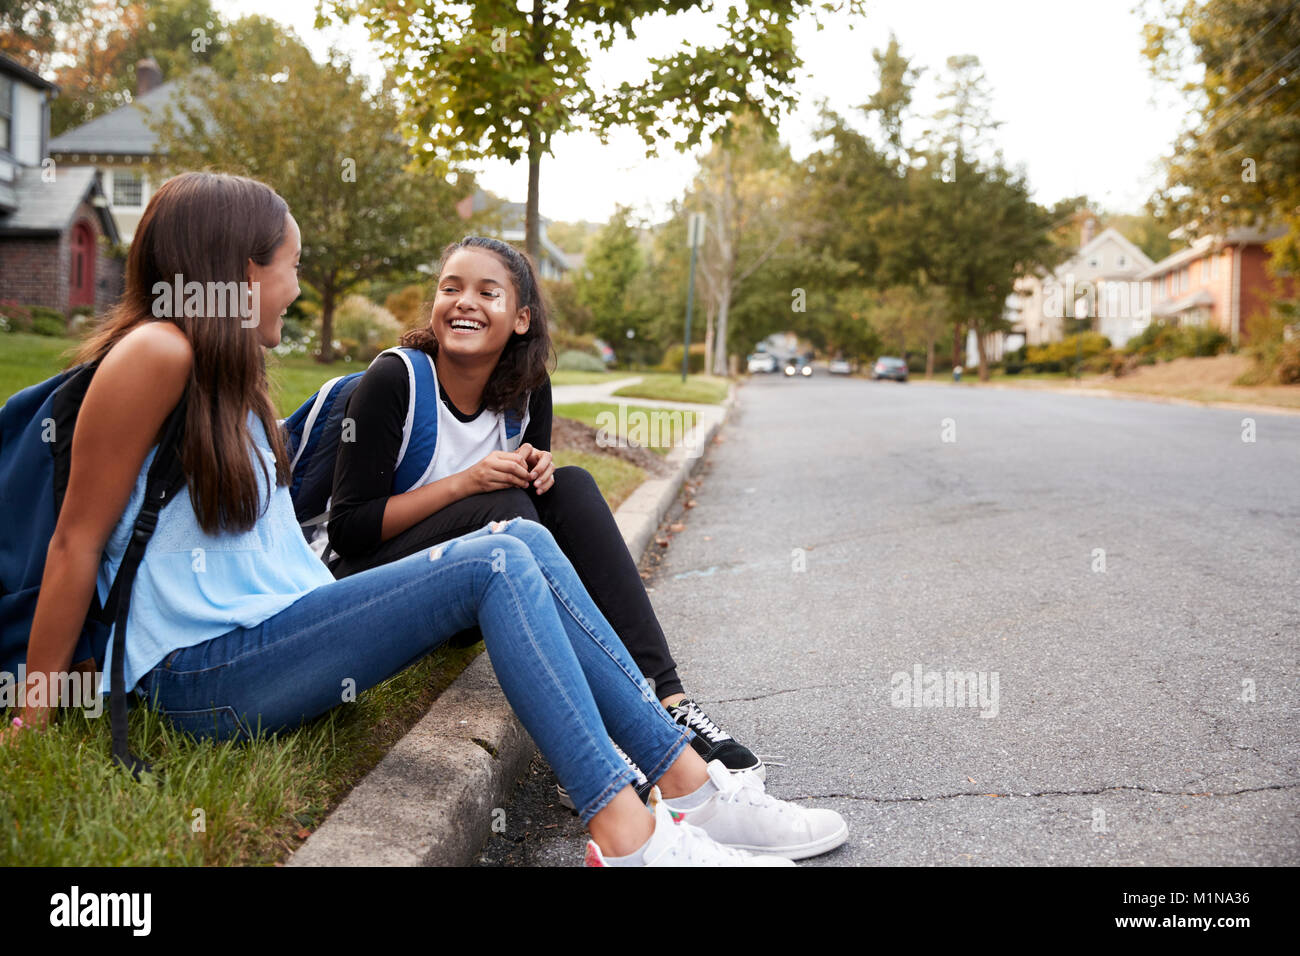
x: 123, y: 147
x: 56, y: 228
x: 1217, y: 280
x: 511, y: 219
x: 1100, y: 282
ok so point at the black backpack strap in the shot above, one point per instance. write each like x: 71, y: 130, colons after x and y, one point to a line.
x: 165, y: 478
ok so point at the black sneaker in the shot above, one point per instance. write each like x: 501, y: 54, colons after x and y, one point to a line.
x: 713, y: 743
x: 642, y: 785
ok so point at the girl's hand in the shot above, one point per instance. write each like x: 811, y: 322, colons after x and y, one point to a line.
x: 500, y: 469
x: 541, y: 468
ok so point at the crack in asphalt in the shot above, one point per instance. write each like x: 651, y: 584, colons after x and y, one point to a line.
x: 1043, y: 793
x: 772, y: 693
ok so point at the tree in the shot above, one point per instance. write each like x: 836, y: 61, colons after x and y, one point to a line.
x: 613, y: 261
x: 492, y: 79
x: 1237, y: 161
x: 745, y: 191
x: 29, y: 29
x: 979, y: 228
x: 330, y: 149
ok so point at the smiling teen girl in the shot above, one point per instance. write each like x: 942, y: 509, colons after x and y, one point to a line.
x: 259, y: 636
x: 485, y: 349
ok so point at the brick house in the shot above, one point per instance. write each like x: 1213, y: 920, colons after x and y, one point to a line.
x: 1220, y: 280
x: 56, y: 230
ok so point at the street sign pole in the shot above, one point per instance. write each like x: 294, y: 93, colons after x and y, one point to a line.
x: 694, y: 233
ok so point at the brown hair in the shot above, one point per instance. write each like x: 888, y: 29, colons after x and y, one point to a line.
x: 521, y: 368
x: 205, y: 227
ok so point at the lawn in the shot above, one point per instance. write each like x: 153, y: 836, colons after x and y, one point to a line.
x: 700, y: 389
x: 63, y: 802
x: 658, y: 429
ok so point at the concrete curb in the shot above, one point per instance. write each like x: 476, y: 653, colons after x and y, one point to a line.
x: 429, y: 801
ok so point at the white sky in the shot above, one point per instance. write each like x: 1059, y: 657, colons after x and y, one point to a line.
x: 1067, y: 77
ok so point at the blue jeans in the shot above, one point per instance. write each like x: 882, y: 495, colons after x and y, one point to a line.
x: 561, y: 666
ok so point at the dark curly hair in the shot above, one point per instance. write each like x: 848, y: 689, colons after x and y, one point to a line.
x: 522, y: 366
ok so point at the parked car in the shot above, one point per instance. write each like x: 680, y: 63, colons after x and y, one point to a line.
x: 889, y: 367
x: 841, y: 366
x: 762, y: 362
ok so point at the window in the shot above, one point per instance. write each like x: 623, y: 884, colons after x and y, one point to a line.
x: 1214, y: 267
x: 128, y: 189
x: 6, y: 114
x: 1092, y: 262
x: 1122, y: 261
x: 1184, y: 278
x: 1205, y: 270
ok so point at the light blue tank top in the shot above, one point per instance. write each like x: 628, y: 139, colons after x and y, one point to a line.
x: 193, y: 586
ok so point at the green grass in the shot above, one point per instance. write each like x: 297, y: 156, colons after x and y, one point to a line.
x: 64, y: 803
x: 701, y: 389
x: 658, y: 429
x: 27, y: 359
x: 615, y: 477
x: 574, y: 377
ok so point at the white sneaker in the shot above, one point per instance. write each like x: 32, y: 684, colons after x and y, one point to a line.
x: 680, y: 844
x: 742, y: 815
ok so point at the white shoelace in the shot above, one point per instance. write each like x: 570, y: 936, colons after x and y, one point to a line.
x: 700, y: 722
x: 747, y: 788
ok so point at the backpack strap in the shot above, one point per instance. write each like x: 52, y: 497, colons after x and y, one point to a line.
x: 420, y: 430
x: 165, y: 478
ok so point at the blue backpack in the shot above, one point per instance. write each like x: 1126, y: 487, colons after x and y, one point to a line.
x: 36, y: 430
x: 314, y: 432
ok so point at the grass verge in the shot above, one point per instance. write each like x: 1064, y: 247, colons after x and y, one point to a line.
x: 658, y: 429
x: 700, y: 389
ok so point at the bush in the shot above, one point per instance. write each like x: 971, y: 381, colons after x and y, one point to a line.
x: 363, y: 329
x: 571, y: 360
x: 15, y: 318
x: 672, y: 361
x: 1161, y: 341
x: 1287, y: 370
x: 564, y: 341
x: 407, y: 305
x: 48, y: 325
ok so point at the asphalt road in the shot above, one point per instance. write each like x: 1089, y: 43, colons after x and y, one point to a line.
x: 1145, y: 713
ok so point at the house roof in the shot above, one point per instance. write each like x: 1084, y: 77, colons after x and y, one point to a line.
x: 31, y: 78
x: 124, y: 131
x: 49, y: 208
x: 1207, y: 244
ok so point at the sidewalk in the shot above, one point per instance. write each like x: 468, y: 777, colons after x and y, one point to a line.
x: 431, y: 800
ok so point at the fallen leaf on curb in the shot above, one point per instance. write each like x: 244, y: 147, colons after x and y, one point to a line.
x: 662, y: 542
x: 971, y: 779
x: 676, y: 526
x: 303, y: 834
x: 690, y: 504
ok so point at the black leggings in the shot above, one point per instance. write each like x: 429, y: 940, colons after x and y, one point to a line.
x: 575, y: 513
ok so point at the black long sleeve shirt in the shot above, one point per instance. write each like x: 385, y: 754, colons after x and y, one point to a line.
x: 363, y: 472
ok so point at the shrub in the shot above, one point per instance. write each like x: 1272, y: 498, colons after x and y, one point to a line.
x: 563, y: 341
x: 15, y: 318
x: 363, y: 329
x: 672, y: 361
x: 407, y: 305
x: 1161, y: 341
x: 571, y: 360
x: 48, y: 325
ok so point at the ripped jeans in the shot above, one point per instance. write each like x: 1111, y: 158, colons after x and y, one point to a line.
x: 561, y: 666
